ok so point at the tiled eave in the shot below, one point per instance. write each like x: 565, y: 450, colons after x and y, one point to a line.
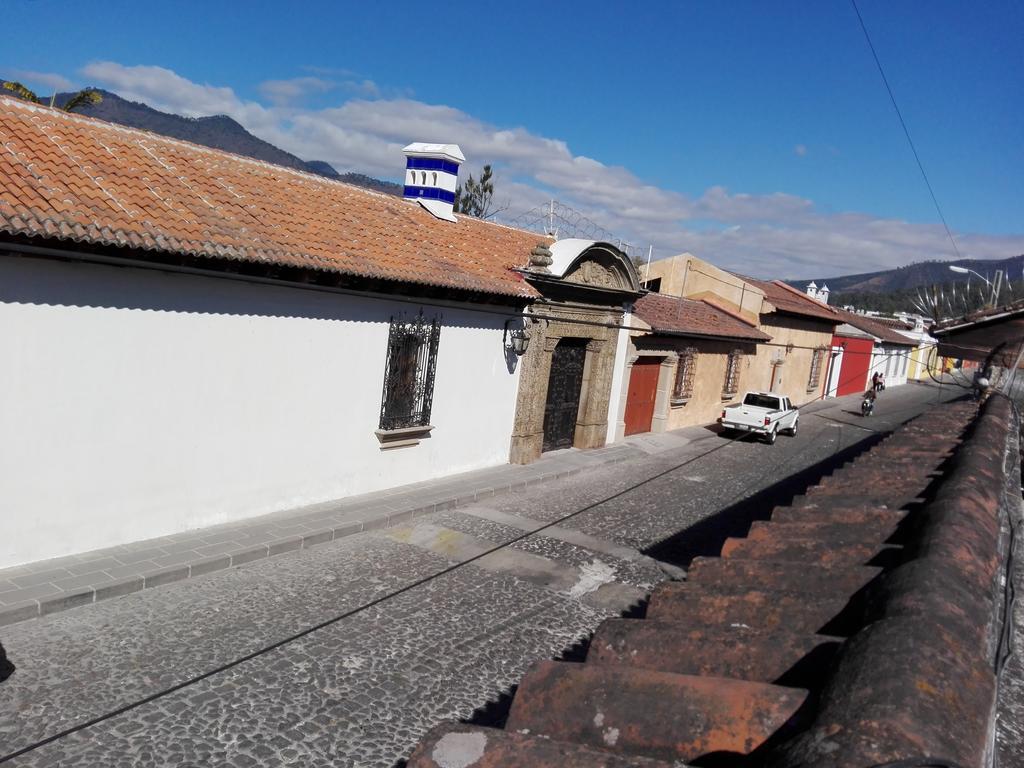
x: 708, y: 336
x: 298, y: 275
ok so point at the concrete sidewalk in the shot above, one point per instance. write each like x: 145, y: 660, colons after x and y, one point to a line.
x: 48, y: 586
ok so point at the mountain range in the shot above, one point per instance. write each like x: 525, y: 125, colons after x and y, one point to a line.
x: 906, y: 289
x: 916, y: 275
x: 216, y: 132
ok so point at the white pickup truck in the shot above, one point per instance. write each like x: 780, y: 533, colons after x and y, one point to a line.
x: 763, y: 413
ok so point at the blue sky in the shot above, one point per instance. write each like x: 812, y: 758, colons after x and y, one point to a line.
x: 757, y: 135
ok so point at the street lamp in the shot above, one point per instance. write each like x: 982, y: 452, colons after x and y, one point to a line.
x: 994, y: 286
x: 516, y: 337
x: 965, y: 271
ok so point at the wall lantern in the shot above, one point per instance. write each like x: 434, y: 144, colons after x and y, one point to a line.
x: 517, y: 338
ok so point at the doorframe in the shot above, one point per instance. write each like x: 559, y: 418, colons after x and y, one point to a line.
x: 535, y: 373
x: 659, y: 422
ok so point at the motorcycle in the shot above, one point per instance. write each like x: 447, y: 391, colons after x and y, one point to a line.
x: 867, y: 406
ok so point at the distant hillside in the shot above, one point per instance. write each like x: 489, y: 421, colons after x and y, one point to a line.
x: 216, y: 132
x: 959, y: 301
x: 915, y: 275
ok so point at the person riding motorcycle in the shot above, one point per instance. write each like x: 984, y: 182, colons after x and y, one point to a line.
x: 867, y: 405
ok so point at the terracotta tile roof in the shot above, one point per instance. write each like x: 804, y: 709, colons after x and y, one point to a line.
x: 669, y: 314
x: 791, y: 301
x: 980, y: 316
x: 81, y: 180
x: 895, y: 323
x: 875, y: 328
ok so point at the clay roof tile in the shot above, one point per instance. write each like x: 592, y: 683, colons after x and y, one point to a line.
x: 670, y: 314
x: 105, y: 184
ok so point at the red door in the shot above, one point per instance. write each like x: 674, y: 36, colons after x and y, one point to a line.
x: 643, y: 389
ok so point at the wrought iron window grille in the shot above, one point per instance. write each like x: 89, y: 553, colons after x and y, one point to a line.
x: 816, y: 360
x: 686, y: 369
x: 409, y: 372
x: 732, y: 373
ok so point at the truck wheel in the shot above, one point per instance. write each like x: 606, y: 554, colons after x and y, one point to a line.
x: 770, y: 439
x: 792, y: 432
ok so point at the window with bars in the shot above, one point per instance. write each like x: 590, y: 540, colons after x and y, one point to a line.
x: 732, y: 373
x: 817, y: 361
x: 685, y: 372
x: 409, y: 372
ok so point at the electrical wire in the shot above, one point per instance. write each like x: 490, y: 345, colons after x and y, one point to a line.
x: 906, y: 131
x: 370, y: 604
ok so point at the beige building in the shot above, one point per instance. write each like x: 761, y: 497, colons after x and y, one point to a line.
x: 794, y: 360
x: 685, y: 358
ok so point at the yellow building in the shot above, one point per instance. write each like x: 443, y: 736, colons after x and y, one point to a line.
x: 793, y: 360
x: 801, y: 328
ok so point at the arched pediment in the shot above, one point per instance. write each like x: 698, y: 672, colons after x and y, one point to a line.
x: 602, y: 265
x: 593, y: 270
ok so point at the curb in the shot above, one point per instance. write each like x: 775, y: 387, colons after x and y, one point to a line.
x: 44, y: 606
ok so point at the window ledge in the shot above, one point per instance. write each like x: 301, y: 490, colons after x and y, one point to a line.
x: 812, y: 389
x: 402, y: 438
x: 729, y: 395
x: 676, y: 401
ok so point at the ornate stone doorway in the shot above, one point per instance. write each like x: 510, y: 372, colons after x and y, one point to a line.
x: 565, y: 379
x: 564, y: 385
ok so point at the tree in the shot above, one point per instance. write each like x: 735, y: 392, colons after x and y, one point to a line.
x: 79, y: 99
x: 476, y: 197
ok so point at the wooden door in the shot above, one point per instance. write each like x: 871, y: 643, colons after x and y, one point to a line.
x: 563, y: 403
x: 643, y: 390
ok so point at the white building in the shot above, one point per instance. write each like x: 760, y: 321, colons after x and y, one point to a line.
x: 193, y: 338
x: 892, y: 350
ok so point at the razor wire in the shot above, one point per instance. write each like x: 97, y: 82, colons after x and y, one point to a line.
x: 559, y: 221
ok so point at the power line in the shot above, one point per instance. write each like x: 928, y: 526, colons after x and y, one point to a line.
x: 906, y: 131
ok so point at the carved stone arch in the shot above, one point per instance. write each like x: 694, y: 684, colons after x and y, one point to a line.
x: 602, y: 265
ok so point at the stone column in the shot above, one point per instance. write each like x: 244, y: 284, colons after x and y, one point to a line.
x: 528, y: 429
x: 592, y: 425
x: 666, y: 378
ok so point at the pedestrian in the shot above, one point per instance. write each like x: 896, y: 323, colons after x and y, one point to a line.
x: 881, y: 382
x: 6, y: 667
x: 874, y: 382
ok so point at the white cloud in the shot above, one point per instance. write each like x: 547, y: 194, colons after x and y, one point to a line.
x: 287, y: 91
x: 773, y: 235
x: 162, y: 89
x: 51, y: 80
x: 364, y: 87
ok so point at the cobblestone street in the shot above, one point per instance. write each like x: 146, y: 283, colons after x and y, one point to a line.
x: 344, y: 654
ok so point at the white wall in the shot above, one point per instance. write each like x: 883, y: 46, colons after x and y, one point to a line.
x: 892, y: 362
x: 616, y: 400
x: 138, y: 403
x: 835, y: 367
